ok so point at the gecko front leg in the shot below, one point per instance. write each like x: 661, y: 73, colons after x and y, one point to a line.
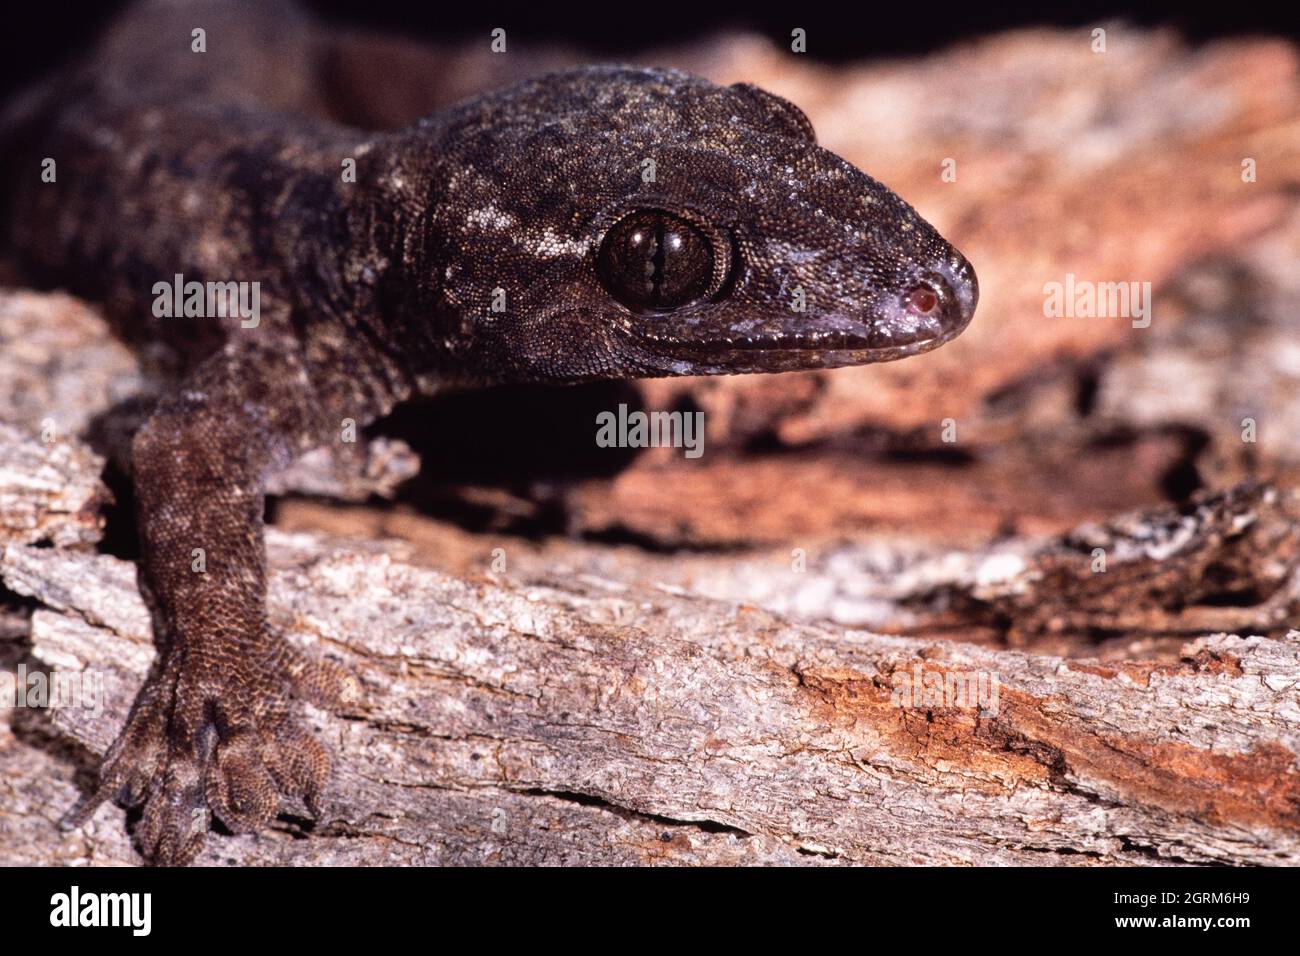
x: 213, y: 728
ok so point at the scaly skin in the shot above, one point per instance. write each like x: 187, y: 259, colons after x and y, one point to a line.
x: 750, y: 249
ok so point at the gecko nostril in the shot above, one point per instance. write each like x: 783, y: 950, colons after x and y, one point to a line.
x: 958, y: 291
x: 922, y: 299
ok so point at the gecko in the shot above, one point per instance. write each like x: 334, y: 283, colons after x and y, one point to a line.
x: 596, y: 223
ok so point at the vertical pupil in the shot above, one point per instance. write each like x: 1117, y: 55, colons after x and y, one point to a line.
x: 650, y: 240
x: 654, y: 261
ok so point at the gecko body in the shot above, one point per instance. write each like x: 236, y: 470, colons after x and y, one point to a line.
x: 597, y: 223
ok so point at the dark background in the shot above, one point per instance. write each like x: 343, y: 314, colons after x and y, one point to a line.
x: 35, y: 37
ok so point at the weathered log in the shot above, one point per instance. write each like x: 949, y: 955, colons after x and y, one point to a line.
x: 595, y: 722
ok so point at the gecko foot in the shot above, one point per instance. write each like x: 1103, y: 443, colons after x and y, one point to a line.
x: 214, y: 733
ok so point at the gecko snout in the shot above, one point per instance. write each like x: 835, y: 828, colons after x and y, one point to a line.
x: 945, y: 296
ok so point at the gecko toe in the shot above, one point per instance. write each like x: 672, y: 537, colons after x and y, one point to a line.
x: 303, y: 768
x: 193, y: 749
x: 320, y: 681
x: 239, y: 786
x: 174, y: 820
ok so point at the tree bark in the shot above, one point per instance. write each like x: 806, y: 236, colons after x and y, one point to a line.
x: 599, y: 723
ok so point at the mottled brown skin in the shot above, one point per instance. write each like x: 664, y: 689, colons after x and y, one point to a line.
x: 217, y: 166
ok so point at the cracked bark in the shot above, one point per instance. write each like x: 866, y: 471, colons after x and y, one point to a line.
x: 595, y: 722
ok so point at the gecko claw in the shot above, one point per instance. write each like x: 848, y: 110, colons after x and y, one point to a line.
x: 198, y: 746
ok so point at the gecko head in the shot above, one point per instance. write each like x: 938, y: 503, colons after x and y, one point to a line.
x: 646, y: 222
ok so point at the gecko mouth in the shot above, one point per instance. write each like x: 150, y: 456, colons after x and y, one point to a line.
x: 787, y: 352
x: 930, y: 310
x: 922, y: 314
x: 895, y: 331
x: 867, y: 338
x: 831, y: 341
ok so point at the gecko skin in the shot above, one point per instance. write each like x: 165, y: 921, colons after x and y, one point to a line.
x: 751, y: 249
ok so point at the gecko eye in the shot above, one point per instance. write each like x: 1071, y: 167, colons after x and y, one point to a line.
x: 655, y: 261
